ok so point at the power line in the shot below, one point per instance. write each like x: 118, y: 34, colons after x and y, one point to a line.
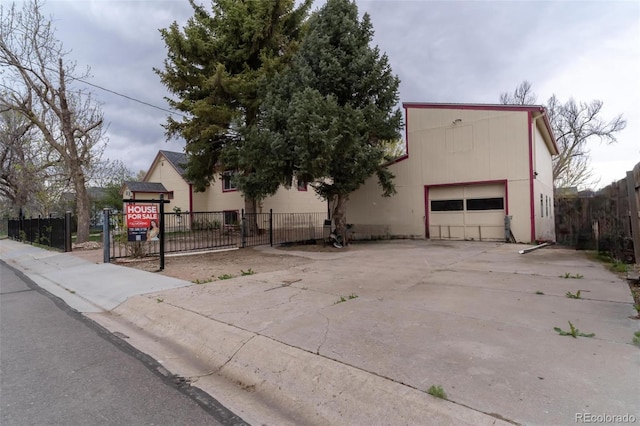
x: 130, y: 98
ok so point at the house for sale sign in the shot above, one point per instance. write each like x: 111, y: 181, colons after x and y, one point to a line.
x: 142, y: 219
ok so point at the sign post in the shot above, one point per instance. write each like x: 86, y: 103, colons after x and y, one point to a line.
x: 145, y: 222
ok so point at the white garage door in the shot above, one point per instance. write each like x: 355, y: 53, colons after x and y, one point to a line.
x: 467, y: 212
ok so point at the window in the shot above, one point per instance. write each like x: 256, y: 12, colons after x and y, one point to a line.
x: 231, y: 217
x: 446, y: 205
x: 485, y: 204
x: 541, y: 206
x: 547, y: 204
x: 227, y: 182
x: 302, y: 186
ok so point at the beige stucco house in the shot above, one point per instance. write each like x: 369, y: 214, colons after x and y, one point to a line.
x: 167, y: 170
x: 468, y: 167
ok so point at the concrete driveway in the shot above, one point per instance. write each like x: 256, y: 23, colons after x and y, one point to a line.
x: 358, y: 336
x: 467, y: 316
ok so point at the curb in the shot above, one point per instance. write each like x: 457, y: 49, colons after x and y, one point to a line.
x: 300, y: 386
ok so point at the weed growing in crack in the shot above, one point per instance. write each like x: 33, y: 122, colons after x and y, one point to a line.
x: 573, y: 332
x: 159, y: 300
x: 437, y: 391
x: 349, y: 297
x: 539, y: 292
x: 225, y: 277
x: 573, y: 296
x: 247, y: 272
x: 567, y: 275
x: 636, y: 338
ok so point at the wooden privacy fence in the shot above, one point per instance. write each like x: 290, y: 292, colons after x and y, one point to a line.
x: 606, y: 221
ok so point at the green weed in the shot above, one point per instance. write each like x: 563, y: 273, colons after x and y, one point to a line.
x: 636, y: 338
x: 247, y: 272
x: 352, y: 296
x: 437, y: 391
x: 574, y: 296
x: 573, y: 332
x: 159, y: 300
x: 567, y: 275
x: 225, y: 277
x: 203, y: 281
x: 539, y: 292
x: 342, y: 299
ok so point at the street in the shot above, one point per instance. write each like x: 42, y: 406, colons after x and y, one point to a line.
x: 59, y: 368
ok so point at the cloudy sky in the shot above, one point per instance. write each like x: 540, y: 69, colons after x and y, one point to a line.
x: 443, y: 51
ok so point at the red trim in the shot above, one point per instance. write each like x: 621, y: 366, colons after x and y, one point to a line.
x: 227, y: 190
x: 473, y: 183
x: 477, y: 107
x: 190, y: 197
x: 397, y: 160
x: 532, y: 206
x: 406, y: 134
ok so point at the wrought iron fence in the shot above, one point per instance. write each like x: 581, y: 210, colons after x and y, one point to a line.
x: 183, y: 232
x: 197, y: 231
x: 48, y: 231
x: 282, y: 228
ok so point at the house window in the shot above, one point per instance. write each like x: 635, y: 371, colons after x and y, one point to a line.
x: 170, y: 195
x: 231, y: 217
x: 546, y: 201
x: 446, y: 205
x: 485, y: 204
x: 227, y: 182
x: 302, y: 186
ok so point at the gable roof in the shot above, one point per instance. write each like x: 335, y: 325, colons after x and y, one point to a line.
x: 145, y: 186
x: 177, y: 159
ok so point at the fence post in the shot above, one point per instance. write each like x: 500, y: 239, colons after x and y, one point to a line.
x: 243, y: 230
x: 106, y: 235
x: 271, y: 227
x: 635, y: 216
x: 67, y: 232
x: 162, y: 232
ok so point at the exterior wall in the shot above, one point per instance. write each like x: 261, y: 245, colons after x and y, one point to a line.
x: 293, y: 201
x: 542, y: 188
x: 162, y: 171
x: 284, y: 201
x: 447, y: 146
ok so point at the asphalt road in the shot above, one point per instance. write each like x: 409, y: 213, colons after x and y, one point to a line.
x: 60, y: 368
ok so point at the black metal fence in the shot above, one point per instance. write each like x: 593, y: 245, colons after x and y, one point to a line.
x: 282, y: 228
x: 48, y: 231
x: 198, y: 231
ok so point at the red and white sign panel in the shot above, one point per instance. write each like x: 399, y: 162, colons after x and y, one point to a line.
x: 139, y: 218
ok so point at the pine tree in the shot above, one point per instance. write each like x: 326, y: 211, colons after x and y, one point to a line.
x: 214, y: 67
x: 327, y: 118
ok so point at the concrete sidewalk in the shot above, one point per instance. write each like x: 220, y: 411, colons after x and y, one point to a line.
x: 282, y: 347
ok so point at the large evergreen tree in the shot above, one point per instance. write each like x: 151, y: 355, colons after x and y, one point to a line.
x: 214, y: 67
x: 327, y: 118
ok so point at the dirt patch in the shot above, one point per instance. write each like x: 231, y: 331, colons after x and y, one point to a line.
x: 211, y: 266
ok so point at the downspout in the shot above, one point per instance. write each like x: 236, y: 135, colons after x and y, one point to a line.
x: 533, y: 140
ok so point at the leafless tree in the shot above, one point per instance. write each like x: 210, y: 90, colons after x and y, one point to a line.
x: 523, y: 95
x: 574, y: 125
x: 38, y: 82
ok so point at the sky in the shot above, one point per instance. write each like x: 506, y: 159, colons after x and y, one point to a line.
x: 442, y: 51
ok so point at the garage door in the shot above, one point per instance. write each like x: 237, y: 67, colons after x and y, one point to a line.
x: 467, y: 212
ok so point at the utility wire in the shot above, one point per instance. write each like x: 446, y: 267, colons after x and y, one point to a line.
x: 130, y: 98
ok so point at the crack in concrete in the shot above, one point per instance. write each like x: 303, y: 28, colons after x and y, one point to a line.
x: 326, y: 333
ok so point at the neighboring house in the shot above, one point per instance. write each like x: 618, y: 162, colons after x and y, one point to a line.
x: 168, y: 171
x: 468, y: 168
x: 97, y: 197
x: 132, y: 190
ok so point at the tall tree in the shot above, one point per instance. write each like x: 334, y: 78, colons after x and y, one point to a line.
x: 38, y: 84
x: 213, y: 68
x: 328, y: 118
x: 574, y: 125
